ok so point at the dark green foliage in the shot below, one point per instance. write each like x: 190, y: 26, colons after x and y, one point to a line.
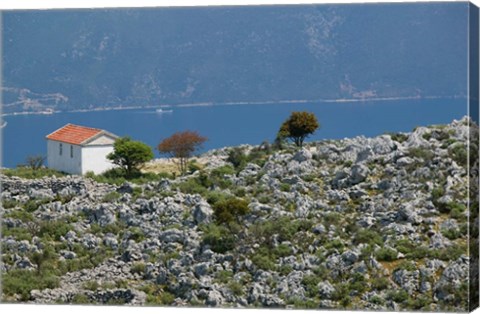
x: 21, y: 282
x: 80, y: 299
x: 193, y: 186
x: 110, y: 197
x: 219, y: 238
x: 136, y: 234
x: 459, y: 153
x: 406, y: 265
x: 367, y: 236
x: 230, y: 210
x: 386, y: 254
x: 420, y: 302
x: 422, y: 153
x: 218, y: 177
x: 310, y: 282
x: 452, y: 234
x: 398, y: 296
x: 10, y: 203
x: 282, y: 250
x: 398, y: 137
x: 138, y: 268
x: 263, y: 259
x: 284, y: 227
x: 130, y: 155
x: 54, y: 229
x: 117, y: 176
x: 237, y: 158
x: 380, y: 283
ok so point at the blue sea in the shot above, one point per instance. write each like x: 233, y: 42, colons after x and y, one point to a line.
x: 229, y: 125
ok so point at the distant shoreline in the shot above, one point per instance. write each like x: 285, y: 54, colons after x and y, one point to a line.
x: 211, y: 104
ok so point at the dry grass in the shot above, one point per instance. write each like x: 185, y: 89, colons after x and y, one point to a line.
x: 166, y: 165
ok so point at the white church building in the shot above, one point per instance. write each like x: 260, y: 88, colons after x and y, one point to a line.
x: 77, y: 149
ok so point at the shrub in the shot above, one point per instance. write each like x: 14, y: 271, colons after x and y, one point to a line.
x: 110, y: 197
x: 91, y: 285
x: 219, y: 238
x: 386, y: 254
x: 54, y: 229
x: 192, y: 186
x: 138, y: 268
x: 380, y: 283
x: 282, y: 250
x: 217, y: 176
x: 263, y: 260
x: 21, y: 282
x: 367, y: 236
x: 421, y: 153
x: 398, y: 137
x: 230, y: 210
x: 310, y: 282
x: 80, y: 299
x: 236, y: 288
x: 237, y: 158
x: 10, y: 203
x: 459, y: 154
x: 398, y: 296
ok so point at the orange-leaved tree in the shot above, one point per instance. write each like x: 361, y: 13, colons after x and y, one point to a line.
x: 181, y: 146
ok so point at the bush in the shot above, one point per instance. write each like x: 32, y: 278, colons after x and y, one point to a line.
x: 459, y: 154
x: 367, y: 236
x: 230, y: 210
x: 110, y: 197
x: 219, y: 238
x: 217, y: 176
x: 398, y: 296
x: 192, y: 186
x: 54, y: 229
x: 380, y: 283
x: 138, y: 268
x: 21, y: 282
x: 421, y: 153
x: 237, y: 158
x: 386, y: 254
x: 310, y: 282
x: 80, y: 299
x: 263, y: 260
x: 91, y: 285
x: 398, y: 137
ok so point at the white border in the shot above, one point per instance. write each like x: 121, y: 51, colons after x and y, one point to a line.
x: 59, y: 4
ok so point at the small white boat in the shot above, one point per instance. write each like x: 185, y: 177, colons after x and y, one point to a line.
x: 4, y: 124
x: 163, y: 111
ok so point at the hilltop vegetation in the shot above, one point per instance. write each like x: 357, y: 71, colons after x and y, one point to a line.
x: 363, y: 223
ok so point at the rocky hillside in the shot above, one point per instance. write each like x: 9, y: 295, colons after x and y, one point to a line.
x: 364, y: 223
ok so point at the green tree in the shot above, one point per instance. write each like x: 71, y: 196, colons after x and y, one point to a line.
x: 130, y: 154
x: 298, y: 126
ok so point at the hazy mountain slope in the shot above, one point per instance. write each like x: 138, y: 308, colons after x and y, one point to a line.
x: 183, y: 55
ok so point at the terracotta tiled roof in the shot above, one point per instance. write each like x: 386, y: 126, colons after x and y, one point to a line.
x: 73, y: 134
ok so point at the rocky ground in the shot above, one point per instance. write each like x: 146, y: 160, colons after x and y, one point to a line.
x: 363, y: 223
